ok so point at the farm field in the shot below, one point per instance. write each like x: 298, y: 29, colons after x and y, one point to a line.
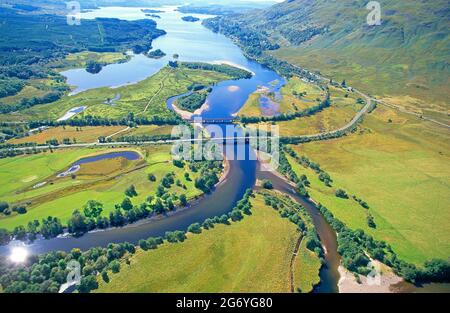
x: 104, y: 181
x: 400, y: 167
x: 389, y: 83
x: 252, y: 255
x: 37, y: 87
x: 75, y: 134
x: 343, y: 108
x: 150, y: 93
x: 80, y: 59
x: 145, y: 130
x: 306, y: 267
x: 297, y: 94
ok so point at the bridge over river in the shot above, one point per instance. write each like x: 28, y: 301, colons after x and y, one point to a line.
x: 229, y: 120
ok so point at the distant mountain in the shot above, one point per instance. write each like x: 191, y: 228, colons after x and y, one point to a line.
x: 406, y: 57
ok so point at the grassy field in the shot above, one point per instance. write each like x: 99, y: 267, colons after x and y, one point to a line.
x: 400, y: 167
x: 403, y: 58
x: 104, y: 181
x: 252, y: 255
x: 150, y: 93
x: 80, y: 59
x: 146, y: 130
x: 75, y: 134
x: 341, y: 111
x: 343, y: 108
x: 306, y: 269
x: 299, y: 94
x: 291, y: 101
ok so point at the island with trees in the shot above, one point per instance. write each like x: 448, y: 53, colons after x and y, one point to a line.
x: 190, y: 19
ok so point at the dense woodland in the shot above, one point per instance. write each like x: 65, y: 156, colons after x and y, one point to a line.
x: 255, y: 46
x: 32, y: 46
x: 234, y: 72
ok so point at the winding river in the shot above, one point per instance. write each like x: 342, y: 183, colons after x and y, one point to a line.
x: 192, y: 42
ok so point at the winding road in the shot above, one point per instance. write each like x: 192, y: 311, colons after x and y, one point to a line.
x: 356, y: 119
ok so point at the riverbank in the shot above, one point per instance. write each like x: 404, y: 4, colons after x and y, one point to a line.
x: 224, y: 62
x: 381, y: 283
x: 186, y: 115
x: 251, y: 255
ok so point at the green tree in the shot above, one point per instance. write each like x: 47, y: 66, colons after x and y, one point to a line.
x: 115, y: 266
x: 87, y: 284
x: 93, y: 209
x: 236, y: 215
x: 105, y: 276
x: 131, y: 191
x: 126, y: 204
x: 78, y: 224
x: 158, y: 206
x: 267, y: 184
x: 195, y: 228
x: 341, y: 194
x: 3, y: 206
x: 183, y: 200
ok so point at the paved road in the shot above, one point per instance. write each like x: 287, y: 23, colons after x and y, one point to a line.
x: 356, y: 119
x: 319, y: 136
x: 392, y: 106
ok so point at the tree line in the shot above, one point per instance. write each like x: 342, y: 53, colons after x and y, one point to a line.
x: 30, y: 56
x: 234, y: 72
x: 354, y: 245
x: 288, y: 116
x: 47, y: 272
x: 90, y: 216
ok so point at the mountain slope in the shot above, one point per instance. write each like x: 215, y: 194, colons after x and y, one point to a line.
x: 406, y: 58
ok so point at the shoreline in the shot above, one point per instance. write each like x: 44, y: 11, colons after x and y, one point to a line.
x: 225, y: 62
x: 382, y: 284
x: 195, y: 200
x: 188, y: 115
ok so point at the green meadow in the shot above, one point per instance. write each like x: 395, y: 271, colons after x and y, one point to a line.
x: 400, y: 167
x: 86, y: 134
x: 299, y: 95
x: 80, y: 59
x: 306, y: 267
x: 143, y: 99
x: 104, y: 181
x: 252, y: 255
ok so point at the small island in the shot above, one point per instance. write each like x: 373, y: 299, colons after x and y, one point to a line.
x: 194, y: 100
x: 93, y: 67
x: 151, y: 11
x: 156, y: 54
x: 152, y: 15
x: 190, y: 19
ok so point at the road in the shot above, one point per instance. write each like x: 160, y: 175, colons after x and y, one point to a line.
x: 319, y: 136
x: 392, y: 106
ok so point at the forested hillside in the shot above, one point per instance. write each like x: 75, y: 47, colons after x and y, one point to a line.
x: 31, y: 46
x: 405, y: 58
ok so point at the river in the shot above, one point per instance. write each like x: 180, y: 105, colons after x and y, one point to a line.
x: 192, y: 42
